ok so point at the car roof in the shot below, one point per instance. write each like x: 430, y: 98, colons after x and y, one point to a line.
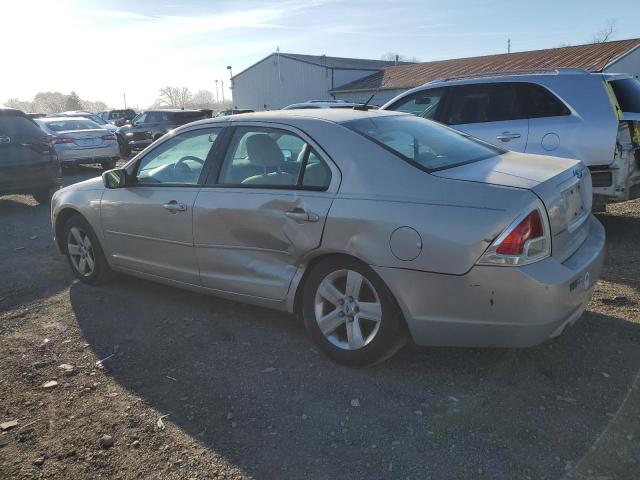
x: 173, y: 110
x: 11, y: 111
x: 335, y: 115
x: 64, y: 118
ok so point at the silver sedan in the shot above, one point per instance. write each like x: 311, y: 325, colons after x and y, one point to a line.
x: 373, y: 227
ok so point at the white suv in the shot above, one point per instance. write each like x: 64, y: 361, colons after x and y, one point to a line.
x: 593, y: 117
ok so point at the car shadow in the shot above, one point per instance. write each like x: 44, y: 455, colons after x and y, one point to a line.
x: 622, y: 254
x: 26, y: 234
x: 249, y: 386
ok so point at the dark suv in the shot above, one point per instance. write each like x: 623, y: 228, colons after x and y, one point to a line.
x: 28, y: 163
x: 118, y: 117
x: 149, y: 126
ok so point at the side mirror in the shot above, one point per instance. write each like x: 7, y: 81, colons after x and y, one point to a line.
x: 116, y: 178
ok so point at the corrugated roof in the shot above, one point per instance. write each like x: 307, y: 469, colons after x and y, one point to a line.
x: 341, y: 62
x: 593, y: 57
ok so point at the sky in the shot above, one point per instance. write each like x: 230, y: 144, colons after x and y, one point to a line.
x: 102, y: 49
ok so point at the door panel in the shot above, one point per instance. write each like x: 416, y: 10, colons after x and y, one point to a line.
x: 250, y: 241
x: 510, y: 134
x: 144, y: 235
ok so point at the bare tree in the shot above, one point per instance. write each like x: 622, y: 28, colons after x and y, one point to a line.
x: 203, y: 99
x: 49, y: 102
x: 23, y: 105
x: 73, y: 102
x: 52, y: 102
x: 97, y: 106
x: 393, y: 56
x: 606, y: 33
x: 175, y: 97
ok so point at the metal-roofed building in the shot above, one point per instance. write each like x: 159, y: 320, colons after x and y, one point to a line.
x: 622, y: 56
x: 281, y: 79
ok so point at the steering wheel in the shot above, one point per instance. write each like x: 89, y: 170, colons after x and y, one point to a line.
x: 180, y: 165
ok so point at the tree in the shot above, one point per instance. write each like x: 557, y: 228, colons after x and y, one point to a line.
x: 49, y: 102
x: 25, y: 106
x: 606, y: 33
x: 392, y: 56
x: 174, y: 97
x: 203, y: 99
x: 97, y: 106
x: 73, y: 101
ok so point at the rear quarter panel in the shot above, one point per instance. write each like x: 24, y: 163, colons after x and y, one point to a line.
x: 380, y: 192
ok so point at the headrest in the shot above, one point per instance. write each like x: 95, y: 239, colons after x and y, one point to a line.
x: 263, y: 151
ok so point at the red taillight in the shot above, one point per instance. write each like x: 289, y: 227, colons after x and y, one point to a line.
x: 527, y: 229
x: 108, y: 137
x: 58, y: 140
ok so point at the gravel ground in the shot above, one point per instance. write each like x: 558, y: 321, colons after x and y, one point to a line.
x: 198, y: 387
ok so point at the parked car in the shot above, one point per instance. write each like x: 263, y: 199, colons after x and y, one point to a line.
x: 118, y: 117
x: 91, y: 116
x: 322, y: 104
x: 149, y: 126
x: 79, y: 141
x: 592, y: 117
x: 381, y: 226
x: 28, y: 163
x: 233, y: 111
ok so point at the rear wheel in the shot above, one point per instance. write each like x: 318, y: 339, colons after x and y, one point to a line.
x: 350, y: 313
x: 84, y: 252
x: 43, y: 196
x: 108, y: 165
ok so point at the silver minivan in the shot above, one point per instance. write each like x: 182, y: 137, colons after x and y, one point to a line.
x: 592, y: 117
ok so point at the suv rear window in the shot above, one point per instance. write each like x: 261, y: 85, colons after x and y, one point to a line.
x: 19, y: 127
x: 627, y: 92
x: 538, y: 102
x: 423, y: 143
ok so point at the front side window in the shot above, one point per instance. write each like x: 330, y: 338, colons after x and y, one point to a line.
x: 271, y: 157
x: 179, y: 160
x: 422, y: 104
x: 480, y: 103
x: 424, y: 143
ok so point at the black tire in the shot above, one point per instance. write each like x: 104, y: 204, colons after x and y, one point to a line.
x: 391, y: 334
x: 109, y: 165
x: 101, y: 272
x: 125, y: 150
x: 43, y: 197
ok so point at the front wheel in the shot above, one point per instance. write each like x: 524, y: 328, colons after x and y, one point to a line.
x: 84, y: 252
x: 125, y: 149
x: 350, y: 313
x: 44, y: 196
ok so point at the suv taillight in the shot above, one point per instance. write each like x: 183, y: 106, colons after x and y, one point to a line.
x: 525, y: 241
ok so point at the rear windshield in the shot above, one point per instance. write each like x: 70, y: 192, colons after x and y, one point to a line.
x: 64, y: 125
x: 426, y: 144
x: 19, y: 127
x: 627, y: 92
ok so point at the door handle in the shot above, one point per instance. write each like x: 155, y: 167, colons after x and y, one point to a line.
x: 506, y: 136
x: 301, y: 215
x: 175, y: 207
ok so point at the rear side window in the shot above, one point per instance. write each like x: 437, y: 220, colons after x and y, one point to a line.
x: 19, y: 127
x: 627, y: 92
x: 482, y: 103
x: 423, y: 143
x: 537, y: 101
x: 422, y: 104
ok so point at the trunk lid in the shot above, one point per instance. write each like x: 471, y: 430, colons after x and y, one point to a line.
x: 563, y: 185
x: 89, y: 138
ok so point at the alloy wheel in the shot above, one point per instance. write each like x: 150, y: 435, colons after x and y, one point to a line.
x: 81, y: 251
x: 347, y: 309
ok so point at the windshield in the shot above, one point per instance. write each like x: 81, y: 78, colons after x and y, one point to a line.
x: 423, y: 143
x: 66, y: 125
x: 97, y: 119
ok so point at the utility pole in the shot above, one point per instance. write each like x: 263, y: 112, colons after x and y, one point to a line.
x: 222, y: 89
x: 230, y: 75
x: 508, y: 45
x: 124, y: 96
x: 217, y: 97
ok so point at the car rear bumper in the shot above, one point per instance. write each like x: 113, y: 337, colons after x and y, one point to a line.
x: 494, y: 306
x: 30, y: 180
x: 88, y: 155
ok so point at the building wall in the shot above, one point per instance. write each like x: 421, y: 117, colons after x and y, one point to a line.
x: 380, y: 98
x: 630, y: 64
x: 278, y: 81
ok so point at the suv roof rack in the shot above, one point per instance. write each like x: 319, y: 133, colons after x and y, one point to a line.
x: 497, y: 73
x: 325, y: 101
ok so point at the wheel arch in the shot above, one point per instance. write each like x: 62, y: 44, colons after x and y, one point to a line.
x: 61, y: 219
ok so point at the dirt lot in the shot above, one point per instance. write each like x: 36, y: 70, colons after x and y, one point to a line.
x: 241, y: 393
